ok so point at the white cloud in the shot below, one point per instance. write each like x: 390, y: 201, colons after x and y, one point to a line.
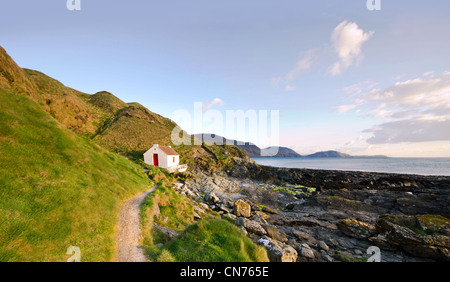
x: 345, y: 108
x: 359, y: 88
x: 425, y: 93
x: 415, y: 110
x: 216, y: 102
x: 410, y: 130
x: 347, y: 40
x: 302, y: 65
x: 289, y: 88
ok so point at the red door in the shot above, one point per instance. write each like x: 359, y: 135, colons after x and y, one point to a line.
x: 155, y: 159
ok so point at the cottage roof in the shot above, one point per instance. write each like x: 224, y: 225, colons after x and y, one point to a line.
x: 168, y: 150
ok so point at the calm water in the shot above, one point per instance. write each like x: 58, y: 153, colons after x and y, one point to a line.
x: 421, y: 166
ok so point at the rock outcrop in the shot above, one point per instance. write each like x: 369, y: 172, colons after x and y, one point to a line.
x: 356, y: 229
x: 277, y: 251
x: 333, y: 224
x: 423, y: 235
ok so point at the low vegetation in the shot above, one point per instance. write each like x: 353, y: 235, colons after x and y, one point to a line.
x: 208, y: 240
x: 214, y: 241
x: 63, y: 174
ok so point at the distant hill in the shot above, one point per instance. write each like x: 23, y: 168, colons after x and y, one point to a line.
x: 329, y: 154
x: 254, y: 151
x: 251, y: 149
x: 281, y: 152
x: 336, y: 154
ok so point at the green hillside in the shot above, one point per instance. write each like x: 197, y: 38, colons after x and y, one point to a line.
x: 61, y: 179
x: 57, y: 189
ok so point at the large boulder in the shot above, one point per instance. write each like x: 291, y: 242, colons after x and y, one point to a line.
x: 251, y: 226
x: 242, y: 208
x: 356, y: 229
x: 277, y: 251
x: 423, y: 235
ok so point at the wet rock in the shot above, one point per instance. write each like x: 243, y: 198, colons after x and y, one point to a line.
x: 356, y: 229
x: 300, y: 235
x: 307, y: 252
x: 277, y: 251
x: 358, y: 252
x: 346, y: 244
x: 275, y: 233
x: 323, y: 246
x: 382, y: 242
x: 344, y: 204
x: 269, y: 210
x: 296, y: 219
x: 312, y: 241
x: 327, y: 258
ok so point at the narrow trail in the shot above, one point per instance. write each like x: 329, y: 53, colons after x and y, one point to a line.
x: 129, y: 230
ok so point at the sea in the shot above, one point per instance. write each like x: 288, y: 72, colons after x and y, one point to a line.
x: 417, y: 166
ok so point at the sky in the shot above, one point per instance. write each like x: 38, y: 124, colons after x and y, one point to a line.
x: 335, y: 75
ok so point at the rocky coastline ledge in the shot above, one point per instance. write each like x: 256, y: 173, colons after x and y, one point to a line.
x: 325, y: 216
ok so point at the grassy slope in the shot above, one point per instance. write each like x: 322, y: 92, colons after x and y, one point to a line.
x: 205, y: 241
x: 210, y: 240
x: 57, y: 189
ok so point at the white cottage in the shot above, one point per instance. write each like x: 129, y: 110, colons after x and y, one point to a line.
x: 165, y: 157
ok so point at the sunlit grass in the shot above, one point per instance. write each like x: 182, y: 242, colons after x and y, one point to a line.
x: 57, y: 189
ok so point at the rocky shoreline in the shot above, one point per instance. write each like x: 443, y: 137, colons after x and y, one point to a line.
x: 325, y: 216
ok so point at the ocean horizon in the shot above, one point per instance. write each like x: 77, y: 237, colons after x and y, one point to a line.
x: 417, y: 166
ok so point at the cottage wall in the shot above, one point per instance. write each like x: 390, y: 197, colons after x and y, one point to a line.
x: 173, y: 160
x: 164, y: 160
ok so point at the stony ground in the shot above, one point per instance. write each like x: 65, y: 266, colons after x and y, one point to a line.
x: 300, y: 223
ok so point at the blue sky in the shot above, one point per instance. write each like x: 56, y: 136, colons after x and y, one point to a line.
x: 342, y: 77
